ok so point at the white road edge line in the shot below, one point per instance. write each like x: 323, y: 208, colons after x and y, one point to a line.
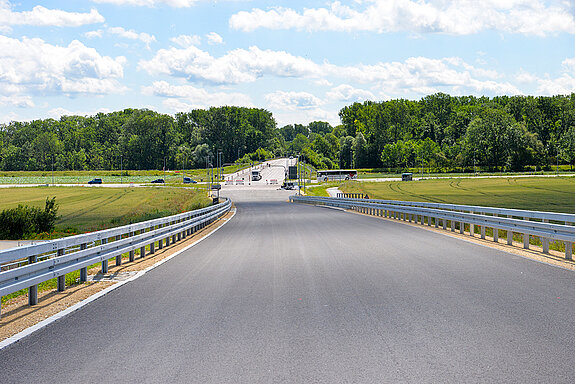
x: 28, y: 331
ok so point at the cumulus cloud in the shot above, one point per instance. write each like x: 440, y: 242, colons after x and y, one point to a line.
x: 347, y: 93
x: 36, y: 67
x: 457, y: 17
x: 424, y: 75
x: 185, y: 97
x: 419, y: 75
x: 562, y: 85
x: 41, y: 16
x: 186, y: 41
x: 237, y: 66
x: 292, y: 100
x: 16, y: 101
x: 151, y: 3
x: 214, y: 38
x: 132, y: 35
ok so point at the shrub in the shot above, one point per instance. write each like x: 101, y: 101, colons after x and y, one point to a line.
x: 24, y: 221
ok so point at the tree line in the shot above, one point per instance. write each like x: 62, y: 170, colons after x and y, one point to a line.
x: 439, y: 132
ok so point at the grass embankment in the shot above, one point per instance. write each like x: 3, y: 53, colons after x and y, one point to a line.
x: 556, y: 194
x: 90, y: 209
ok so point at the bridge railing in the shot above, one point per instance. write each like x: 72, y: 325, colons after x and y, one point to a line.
x: 54, y: 259
x: 547, y: 226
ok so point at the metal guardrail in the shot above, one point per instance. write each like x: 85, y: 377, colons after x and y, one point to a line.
x: 69, y: 254
x: 566, y: 218
x: 457, y: 217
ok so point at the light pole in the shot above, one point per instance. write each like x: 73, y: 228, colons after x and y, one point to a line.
x: 121, y: 169
x: 164, y: 168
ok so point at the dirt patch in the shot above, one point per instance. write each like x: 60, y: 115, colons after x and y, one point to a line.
x: 17, y: 315
x: 534, y: 252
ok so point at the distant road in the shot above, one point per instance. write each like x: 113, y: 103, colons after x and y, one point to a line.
x: 288, y: 293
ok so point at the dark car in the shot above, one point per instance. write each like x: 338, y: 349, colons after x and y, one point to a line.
x: 158, y: 181
x: 95, y: 181
x: 189, y: 180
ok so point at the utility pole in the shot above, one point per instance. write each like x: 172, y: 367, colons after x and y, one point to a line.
x: 121, y: 169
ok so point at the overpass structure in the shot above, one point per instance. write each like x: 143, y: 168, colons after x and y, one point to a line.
x: 292, y: 293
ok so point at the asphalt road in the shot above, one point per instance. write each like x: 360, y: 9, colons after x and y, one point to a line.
x: 286, y: 293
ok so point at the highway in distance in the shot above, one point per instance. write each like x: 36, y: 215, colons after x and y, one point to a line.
x: 288, y: 293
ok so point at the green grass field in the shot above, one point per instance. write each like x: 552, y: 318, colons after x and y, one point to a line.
x: 85, y: 209
x: 556, y: 194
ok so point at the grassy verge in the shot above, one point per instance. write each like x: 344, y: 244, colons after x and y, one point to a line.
x: 91, y: 209
x: 534, y: 193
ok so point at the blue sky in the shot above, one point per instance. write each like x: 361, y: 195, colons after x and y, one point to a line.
x: 301, y: 60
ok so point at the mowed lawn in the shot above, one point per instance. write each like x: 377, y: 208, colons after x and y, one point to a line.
x: 555, y: 194
x: 84, y: 209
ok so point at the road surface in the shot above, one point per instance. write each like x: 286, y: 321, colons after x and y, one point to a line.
x: 288, y: 293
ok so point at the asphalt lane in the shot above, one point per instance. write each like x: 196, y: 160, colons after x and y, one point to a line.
x: 287, y: 293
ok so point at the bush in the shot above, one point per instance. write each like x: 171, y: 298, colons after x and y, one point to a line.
x: 24, y: 221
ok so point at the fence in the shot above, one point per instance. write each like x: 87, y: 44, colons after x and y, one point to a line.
x: 545, y: 225
x: 26, y: 267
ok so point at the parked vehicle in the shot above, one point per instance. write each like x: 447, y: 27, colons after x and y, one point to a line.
x: 95, y: 181
x: 256, y: 176
x: 158, y: 181
x: 189, y: 180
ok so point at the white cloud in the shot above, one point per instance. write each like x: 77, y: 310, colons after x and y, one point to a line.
x: 347, y: 93
x: 151, y: 3
x: 237, y: 66
x: 33, y: 66
x: 17, y: 101
x: 41, y: 16
x: 185, y: 97
x: 569, y: 65
x: 94, y: 34
x: 214, y: 38
x: 418, y: 75
x: 132, y: 35
x: 424, y: 75
x: 292, y: 100
x: 458, y: 17
x: 186, y: 41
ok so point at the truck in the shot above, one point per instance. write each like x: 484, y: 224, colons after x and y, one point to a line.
x: 256, y: 175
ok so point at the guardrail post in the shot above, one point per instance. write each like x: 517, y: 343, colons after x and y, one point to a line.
x: 483, y: 232
x: 142, y: 252
x: 61, y: 279
x: 462, y: 227
x: 472, y: 230
x: 496, y: 235
x: 153, y: 243
x: 119, y: 257
x: 444, y: 223
x: 568, y: 250
x: 33, y: 290
x: 545, y: 241
x: 104, y: 262
x: 83, y: 271
x: 526, y: 237
x: 452, y: 225
x: 436, y: 222
x: 132, y: 252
